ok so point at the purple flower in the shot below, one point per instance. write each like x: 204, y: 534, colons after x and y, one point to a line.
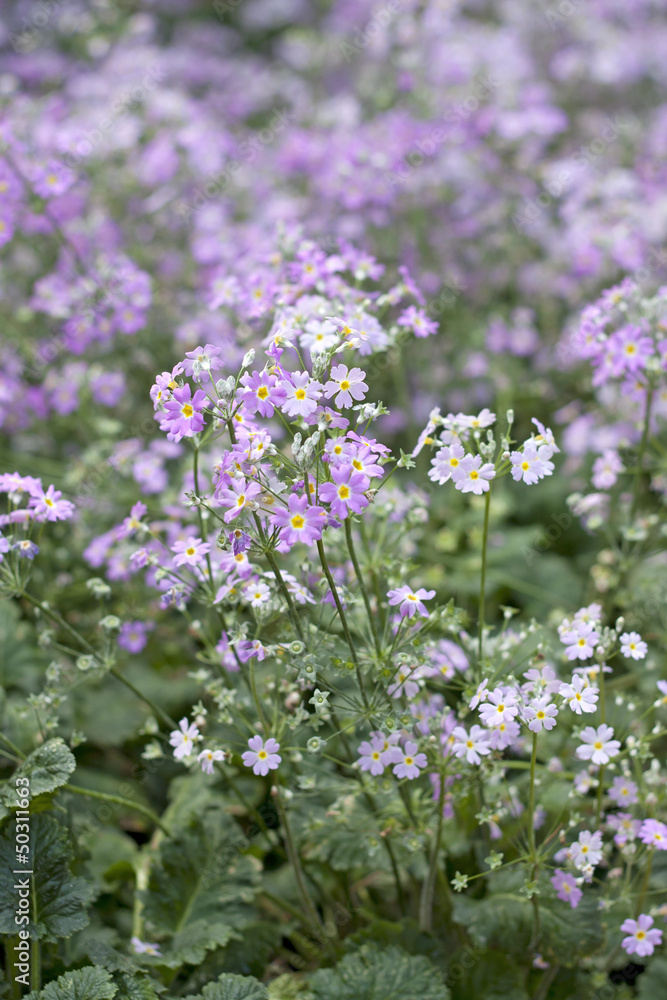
x: 371, y: 754
x: 642, y: 937
x: 587, y: 849
x: 410, y: 602
x: 500, y: 706
x: 540, y: 715
x: 470, y: 476
x: 623, y: 792
x: 407, y: 763
x: 580, y: 640
x: 26, y: 549
x: 417, y: 320
x: 654, y: 834
x: 347, y: 491
x: 632, y: 645
x: 134, y: 636
x: 471, y: 746
x: 262, y: 393
x: 445, y: 462
x: 349, y: 385
x: 48, y: 505
x: 202, y: 359
x: 301, y: 394
x: 108, y: 388
x: 300, y: 521
x: 531, y: 464
x: 190, y: 551
x: 598, y: 744
x: 580, y: 696
x: 625, y: 826
x: 236, y: 496
x: 606, y: 469
x: 566, y: 888
x: 183, y: 416
x: 262, y: 757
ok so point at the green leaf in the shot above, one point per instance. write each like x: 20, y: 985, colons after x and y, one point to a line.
x: 373, y: 973
x: 58, y: 898
x: 136, y: 988
x: 46, y: 769
x: 90, y: 983
x: 230, y: 987
x: 200, y: 889
x: 651, y: 983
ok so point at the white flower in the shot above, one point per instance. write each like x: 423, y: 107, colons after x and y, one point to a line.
x: 531, y: 464
x: 579, y: 695
x: 207, y: 757
x: 470, y: 746
x: 183, y: 739
x: 633, y: 645
x: 257, y: 594
x: 470, y: 476
x: 587, y: 850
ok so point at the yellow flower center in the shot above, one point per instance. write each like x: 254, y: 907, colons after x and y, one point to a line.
x: 262, y: 754
x: 408, y: 761
x: 345, y: 385
x: 241, y: 500
x: 343, y: 492
x: 262, y: 392
x: 187, y: 410
x: 300, y: 393
x: 474, y: 474
x: 297, y: 521
x: 525, y: 466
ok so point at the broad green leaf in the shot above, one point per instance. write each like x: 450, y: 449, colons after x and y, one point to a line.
x: 200, y: 889
x: 653, y: 980
x: 90, y: 983
x: 136, y: 987
x: 484, y: 973
x: 373, y: 973
x: 230, y: 987
x: 58, y: 899
x: 47, y: 768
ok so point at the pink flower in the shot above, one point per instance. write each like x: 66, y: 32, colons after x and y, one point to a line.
x: 445, y: 462
x: 598, y: 744
x: 579, y: 695
x: 262, y: 757
x: 371, y: 754
x: 654, y: 834
x: 623, y: 792
x: 300, y: 521
x: 540, y: 715
x: 470, y: 476
x: 183, y: 739
x: 48, y: 506
x: 411, y: 602
x: 407, y: 763
x: 566, y: 888
x: 349, y: 385
x: 262, y: 393
x: 606, y: 469
x: 500, y: 706
x: 580, y: 640
x: 190, y: 551
x: 642, y: 937
x: 202, y: 359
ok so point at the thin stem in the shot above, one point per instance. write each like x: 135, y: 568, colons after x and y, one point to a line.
x: 531, y: 806
x: 343, y: 620
x: 428, y: 889
x: 119, y: 801
x: 295, y: 861
x: 362, y: 585
x: 275, y: 568
x: 482, y: 582
x: 642, y: 450
x: 645, y: 884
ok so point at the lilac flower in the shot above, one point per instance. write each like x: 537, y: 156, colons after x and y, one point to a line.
x: 445, y: 462
x: 349, y: 386
x: 470, y: 476
x: 632, y: 645
x: 26, y: 549
x: 531, y: 464
x: 183, y: 413
x: 623, y: 792
x: 207, y: 759
x: 580, y: 696
x: 500, y: 706
x: 653, y: 833
x: 580, y: 641
x: 300, y: 521
x: 236, y: 496
x: 407, y: 763
x: 202, y: 359
x: 262, y: 393
x: 371, y: 754
x: 239, y: 540
x: 262, y: 757
x: 257, y: 594
x: 587, y: 850
x: 472, y: 745
x: 140, y: 947
x: 190, y: 551
x: 410, y: 602
x: 643, y: 938
x: 183, y: 739
x: 133, y: 636
x: 545, y: 439
x: 540, y: 715
x: 301, y: 394
x: 249, y: 648
x: 598, y: 744
x: 606, y: 469
x: 625, y: 826
x: 566, y: 888
x: 48, y: 506
x: 417, y: 320
x: 347, y: 491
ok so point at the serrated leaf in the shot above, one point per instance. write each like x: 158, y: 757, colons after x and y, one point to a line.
x: 58, y: 898
x: 46, y: 769
x: 231, y: 987
x: 90, y: 983
x: 373, y: 973
x: 200, y: 890
x: 136, y: 987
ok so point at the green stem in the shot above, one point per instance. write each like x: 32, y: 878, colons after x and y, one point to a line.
x: 482, y: 583
x: 343, y: 620
x: 642, y: 450
x: 275, y: 569
x: 35, y: 965
x: 362, y: 585
x: 645, y: 884
x: 295, y: 861
x: 119, y: 801
x: 531, y: 805
x: 428, y: 889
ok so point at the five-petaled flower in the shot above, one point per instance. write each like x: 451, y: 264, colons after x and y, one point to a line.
x: 410, y: 602
x: 407, y: 762
x: 349, y: 386
x: 642, y: 937
x: 183, y: 739
x: 262, y: 756
x: 599, y: 745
